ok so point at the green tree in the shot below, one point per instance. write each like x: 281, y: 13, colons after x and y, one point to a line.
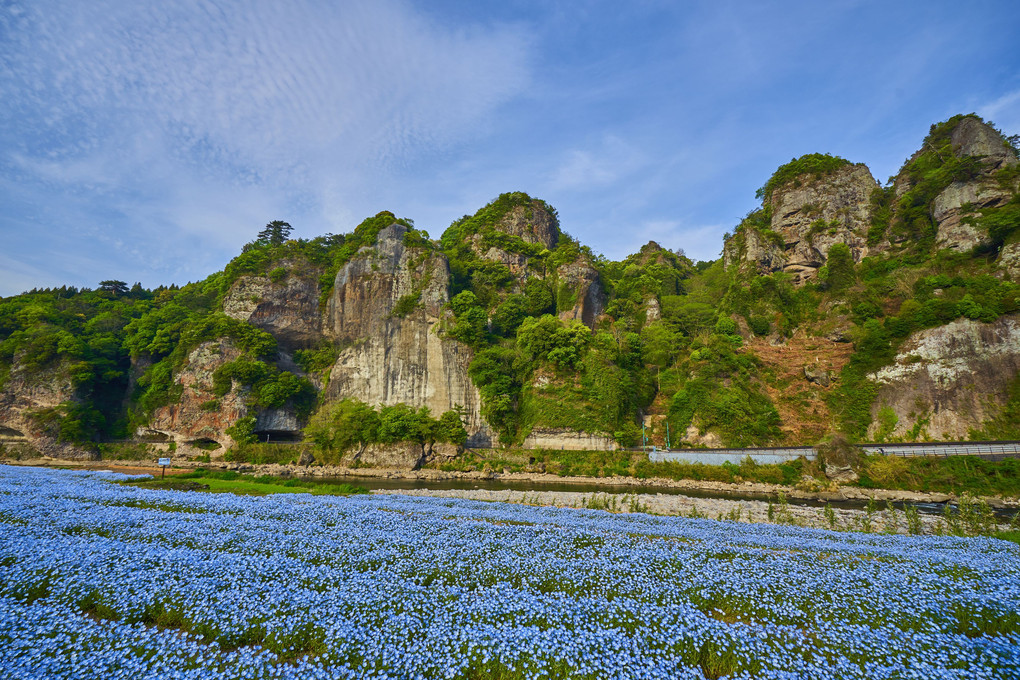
x: 275, y: 233
x: 839, y: 268
x: 345, y: 425
x: 450, y: 427
x: 113, y: 286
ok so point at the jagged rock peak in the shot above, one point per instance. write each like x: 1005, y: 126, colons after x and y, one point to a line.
x: 532, y: 220
x: 514, y: 214
x: 974, y: 137
x: 967, y: 154
x: 809, y: 205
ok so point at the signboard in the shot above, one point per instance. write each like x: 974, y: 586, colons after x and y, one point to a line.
x: 164, y: 462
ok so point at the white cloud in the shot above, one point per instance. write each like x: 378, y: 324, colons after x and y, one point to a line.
x: 1004, y: 112
x: 596, y: 168
x: 175, y: 130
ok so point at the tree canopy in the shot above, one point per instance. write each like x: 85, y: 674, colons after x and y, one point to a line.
x: 275, y: 233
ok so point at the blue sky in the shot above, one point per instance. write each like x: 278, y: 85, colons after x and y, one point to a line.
x: 149, y: 141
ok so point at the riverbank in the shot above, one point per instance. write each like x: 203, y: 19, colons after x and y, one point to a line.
x: 616, y: 484
x: 880, y: 519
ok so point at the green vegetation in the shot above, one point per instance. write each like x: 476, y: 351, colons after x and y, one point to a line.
x: 227, y: 481
x: 352, y: 425
x: 607, y: 464
x: 955, y: 474
x: 717, y: 389
x: 686, y: 343
x: 813, y: 165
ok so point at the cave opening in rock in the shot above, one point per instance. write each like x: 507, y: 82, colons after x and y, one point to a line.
x: 278, y: 436
x: 153, y: 436
x: 205, y: 444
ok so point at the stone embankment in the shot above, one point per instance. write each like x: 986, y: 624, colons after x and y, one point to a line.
x: 754, y: 511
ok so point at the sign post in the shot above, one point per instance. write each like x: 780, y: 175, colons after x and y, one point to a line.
x: 164, y: 463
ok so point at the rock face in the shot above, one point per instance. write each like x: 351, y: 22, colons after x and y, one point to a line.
x: 971, y: 137
x: 569, y: 440
x: 532, y: 223
x: 395, y: 354
x: 948, y: 380
x: 809, y: 216
x: 950, y: 209
x: 289, y: 310
x: 582, y: 280
x: 186, y: 420
x: 25, y: 393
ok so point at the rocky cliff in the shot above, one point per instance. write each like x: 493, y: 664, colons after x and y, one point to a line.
x: 198, y: 416
x: 287, y: 308
x: 385, y: 310
x: 920, y: 306
x: 26, y: 399
x: 948, y: 381
x: 973, y: 153
x: 809, y: 214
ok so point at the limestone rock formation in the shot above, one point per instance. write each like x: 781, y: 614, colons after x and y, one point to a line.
x: 289, y: 309
x: 533, y: 224
x: 814, y: 216
x: 972, y: 137
x: 580, y: 280
x: 386, y: 307
x: 951, y: 208
x: 185, y: 420
x: 947, y: 380
x: 809, y: 216
x: 765, y: 255
x: 26, y: 393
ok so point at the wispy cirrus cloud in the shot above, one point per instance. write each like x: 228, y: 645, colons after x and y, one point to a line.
x: 193, y: 122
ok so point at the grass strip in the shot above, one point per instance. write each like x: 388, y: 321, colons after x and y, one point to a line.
x: 228, y: 481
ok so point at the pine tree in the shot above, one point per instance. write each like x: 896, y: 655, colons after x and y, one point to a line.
x: 275, y: 233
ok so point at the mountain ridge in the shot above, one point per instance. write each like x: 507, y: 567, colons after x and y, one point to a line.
x: 529, y: 337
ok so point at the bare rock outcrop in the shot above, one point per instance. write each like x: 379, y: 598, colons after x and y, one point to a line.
x: 532, y: 223
x: 751, y: 247
x: 580, y: 280
x: 972, y: 137
x: 812, y: 217
x: 386, y: 307
x: 191, y: 418
x: 952, y: 207
x: 26, y: 393
x: 288, y: 309
x: 568, y: 440
x: 809, y: 216
x: 948, y: 380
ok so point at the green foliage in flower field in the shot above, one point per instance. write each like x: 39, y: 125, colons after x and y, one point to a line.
x: 227, y: 481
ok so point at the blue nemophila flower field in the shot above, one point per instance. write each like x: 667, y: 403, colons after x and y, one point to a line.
x: 99, y: 580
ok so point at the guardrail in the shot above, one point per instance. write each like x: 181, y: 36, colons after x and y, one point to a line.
x: 777, y: 454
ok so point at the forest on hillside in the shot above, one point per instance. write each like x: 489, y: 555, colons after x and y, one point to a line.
x: 677, y: 348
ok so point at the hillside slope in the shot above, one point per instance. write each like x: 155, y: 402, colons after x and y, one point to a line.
x: 840, y: 305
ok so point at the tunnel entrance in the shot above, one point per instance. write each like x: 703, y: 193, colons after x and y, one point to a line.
x: 205, y: 444
x: 278, y: 436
